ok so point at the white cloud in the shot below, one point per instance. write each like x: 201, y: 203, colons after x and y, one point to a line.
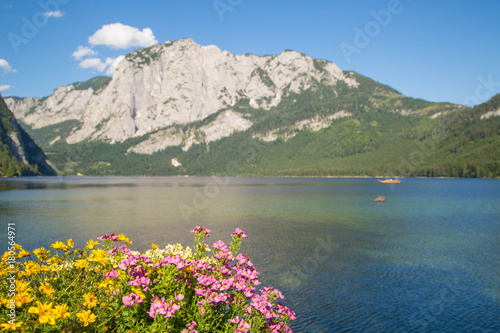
x: 120, y: 36
x: 83, y: 51
x: 112, y: 66
x: 96, y: 63
x: 6, y: 67
x: 109, y: 65
x: 5, y: 87
x: 56, y: 13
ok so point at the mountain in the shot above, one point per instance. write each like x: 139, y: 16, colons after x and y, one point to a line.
x: 19, y: 155
x: 175, y: 83
x: 181, y: 108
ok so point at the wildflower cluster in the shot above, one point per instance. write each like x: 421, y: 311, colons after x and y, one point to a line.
x: 108, y: 287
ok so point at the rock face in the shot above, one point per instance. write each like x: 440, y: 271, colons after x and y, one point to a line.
x: 224, y: 124
x: 379, y: 198
x: 314, y: 124
x: 16, y: 143
x: 175, y: 83
x: 489, y: 114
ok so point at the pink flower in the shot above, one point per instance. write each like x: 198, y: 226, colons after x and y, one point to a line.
x: 202, y: 230
x: 179, y: 297
x: 243, y: 327
x: 112, y: 237
x: 191, y: 325
x: 112, y: 274
x: 239, y: 232
x: 219, y: 245
x: 103, y: 237
x: 128, y: 300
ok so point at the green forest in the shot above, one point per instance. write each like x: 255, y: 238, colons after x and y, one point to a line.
x: 386, y: 134
x: 10, y: 166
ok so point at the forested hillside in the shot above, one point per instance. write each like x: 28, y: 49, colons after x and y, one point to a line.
x: 19, y: 155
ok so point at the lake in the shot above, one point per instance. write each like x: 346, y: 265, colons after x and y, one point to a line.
x: 426, y: 260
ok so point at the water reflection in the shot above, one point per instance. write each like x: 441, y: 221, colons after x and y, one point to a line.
x: 425, y: 260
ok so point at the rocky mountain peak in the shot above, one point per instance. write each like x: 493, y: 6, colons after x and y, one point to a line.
x: 175, y: 82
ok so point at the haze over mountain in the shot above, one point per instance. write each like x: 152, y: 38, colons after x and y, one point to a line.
x: 191, y: 109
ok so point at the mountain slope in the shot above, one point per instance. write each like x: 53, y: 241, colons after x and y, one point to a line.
x: 181, y: 108
x: 174, y: 83
x: 19, y: 155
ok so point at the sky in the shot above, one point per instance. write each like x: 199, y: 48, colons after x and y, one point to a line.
x: 441, y: 51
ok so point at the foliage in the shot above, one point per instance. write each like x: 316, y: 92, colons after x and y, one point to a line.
x: 144, y: 56
x: 376, y: 140
x: 320, y: 64
x: 97, y: 83
x: 264, y: 76
x: 10, y: 164
x: 108, y: 287
x: 492, y: 105
x: 47, y: 135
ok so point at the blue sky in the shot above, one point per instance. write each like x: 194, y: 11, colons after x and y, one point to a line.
x: 435, y: 50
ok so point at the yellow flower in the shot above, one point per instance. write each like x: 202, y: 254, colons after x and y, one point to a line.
x: 32, y: 268
x: 86, y: 317
x: 59, y: 246
x: 82, y: 263
x: 70, y: 243
x: 61, y: 311
x: 9, y: 326
x: 138, y: 292
x: 121, y: 237
x: 90, y: 300
x: 45, y: 313
x: 41, y: 253
x: 5, y: 256
x: 154, y: 246
x: 23, y: 254
x: 22, y: 286
x: 99, y: 256
x: 23, y: 298
x: 53, y: 260
x: 104, y: 284
x: 188, y: 269
x: 4, y: 302
x: 91, y: 244
x: 19, y: 247
x: 46, y: 289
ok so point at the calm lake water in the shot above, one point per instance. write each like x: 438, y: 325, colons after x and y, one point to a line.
x: 426, y: 260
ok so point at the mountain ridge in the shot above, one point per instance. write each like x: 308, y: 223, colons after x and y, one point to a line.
x: 186, y: 102
x: 174, y: 83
